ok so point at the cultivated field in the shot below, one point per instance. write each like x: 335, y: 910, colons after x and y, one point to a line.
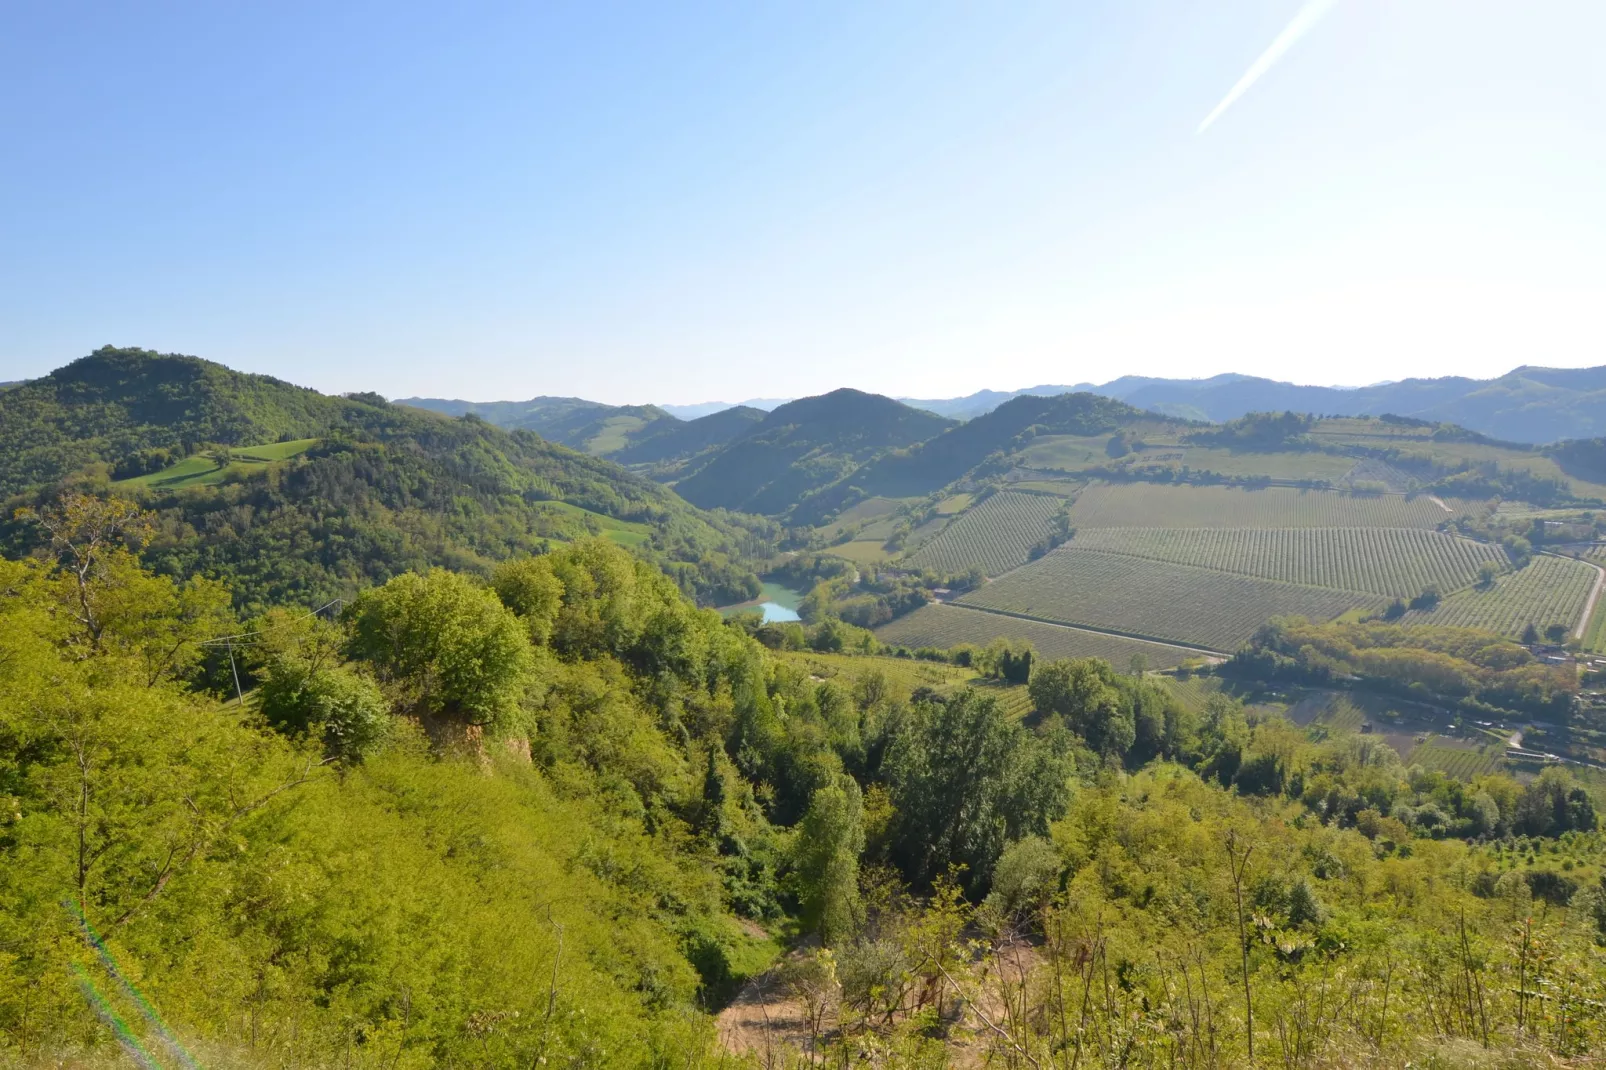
x: 1162, y: 505
x: 1460, y: 761
x: 1155, y: 600
x: 946, y: 626
x: 1550, y: 590
x: 862, y: 514
x: 994, y: 536
x: 1013, y: 699
x: 1383, y: 561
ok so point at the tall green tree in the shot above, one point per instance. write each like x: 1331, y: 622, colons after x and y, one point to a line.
x: 445, y: 647
x: 830, y: 839
x: 966, y: 780
x: 1084, y: 692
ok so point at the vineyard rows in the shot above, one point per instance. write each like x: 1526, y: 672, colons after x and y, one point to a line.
x: 1460, y: 762
x: 994, y: 536
x: 1181, y: 603
x: 1548, y: 590
x: 1162, y: 505
x: 1383, y: 561
x: 946, y: 626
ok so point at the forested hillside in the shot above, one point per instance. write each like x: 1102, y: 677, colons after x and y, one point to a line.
x: 804, y: 447
x: 371, y: 490
x: 115, y: 403
x: 683, y: 441
x: 1001, y: 432
x: 562, y: 817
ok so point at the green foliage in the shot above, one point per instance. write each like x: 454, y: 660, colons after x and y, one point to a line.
x: 966, y: 780
x: 984, y: 442
x: 444, y: 647
x: 829, y: 843
x: 334, y: 704
x: 1261, y: 431
x: 385, y: 490
x: 1474, y: 669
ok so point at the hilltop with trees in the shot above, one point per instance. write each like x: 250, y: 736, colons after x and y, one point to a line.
x: 373, y: 489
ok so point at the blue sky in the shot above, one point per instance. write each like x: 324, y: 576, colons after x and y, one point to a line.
x: 683, y: 202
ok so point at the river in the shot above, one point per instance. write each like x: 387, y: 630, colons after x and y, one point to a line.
x: 778, y: 603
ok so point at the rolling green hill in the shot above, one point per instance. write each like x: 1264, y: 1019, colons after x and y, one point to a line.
x: 588, y: 426
x: 114, y: 403
x: 1004, y: 431
x: 803, y: 448
x: 670, y: 441
x: 324, y: 495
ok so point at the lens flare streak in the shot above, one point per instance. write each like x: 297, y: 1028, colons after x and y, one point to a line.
x: 1308, y: 17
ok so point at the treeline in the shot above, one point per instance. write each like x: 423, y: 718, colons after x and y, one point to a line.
x: 864, y: 596
x: 1459, y: 667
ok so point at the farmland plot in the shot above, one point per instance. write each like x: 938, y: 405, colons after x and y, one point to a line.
x: 1156, y: 600
x: 1383, y: 561
x: 994, y: 536
x: 947, y: 626
x: 1165, y: 505
x: 1460, y: 761
x: 1550, y: 590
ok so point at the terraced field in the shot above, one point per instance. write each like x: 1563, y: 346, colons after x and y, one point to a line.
x: 1382, y: 561
x: 946, y: 626
x: 1550, y: 590
x: 1155, y: 600
x: 1163, y: 505
x: 994, y: 536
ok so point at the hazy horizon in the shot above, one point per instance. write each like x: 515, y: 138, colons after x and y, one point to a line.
x: 716, y: 202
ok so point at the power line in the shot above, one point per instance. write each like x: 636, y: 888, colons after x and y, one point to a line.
x: 231, y: 639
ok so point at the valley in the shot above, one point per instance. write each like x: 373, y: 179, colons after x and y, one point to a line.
x: 947, y: 649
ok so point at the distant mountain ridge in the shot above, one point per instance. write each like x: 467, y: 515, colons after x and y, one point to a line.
x: 1528, y: 404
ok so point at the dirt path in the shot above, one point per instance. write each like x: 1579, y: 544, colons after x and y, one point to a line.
x: 1440, y: 503
x: 1594, y: 596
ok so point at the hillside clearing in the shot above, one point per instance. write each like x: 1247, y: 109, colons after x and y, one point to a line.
x: 201, y: 471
